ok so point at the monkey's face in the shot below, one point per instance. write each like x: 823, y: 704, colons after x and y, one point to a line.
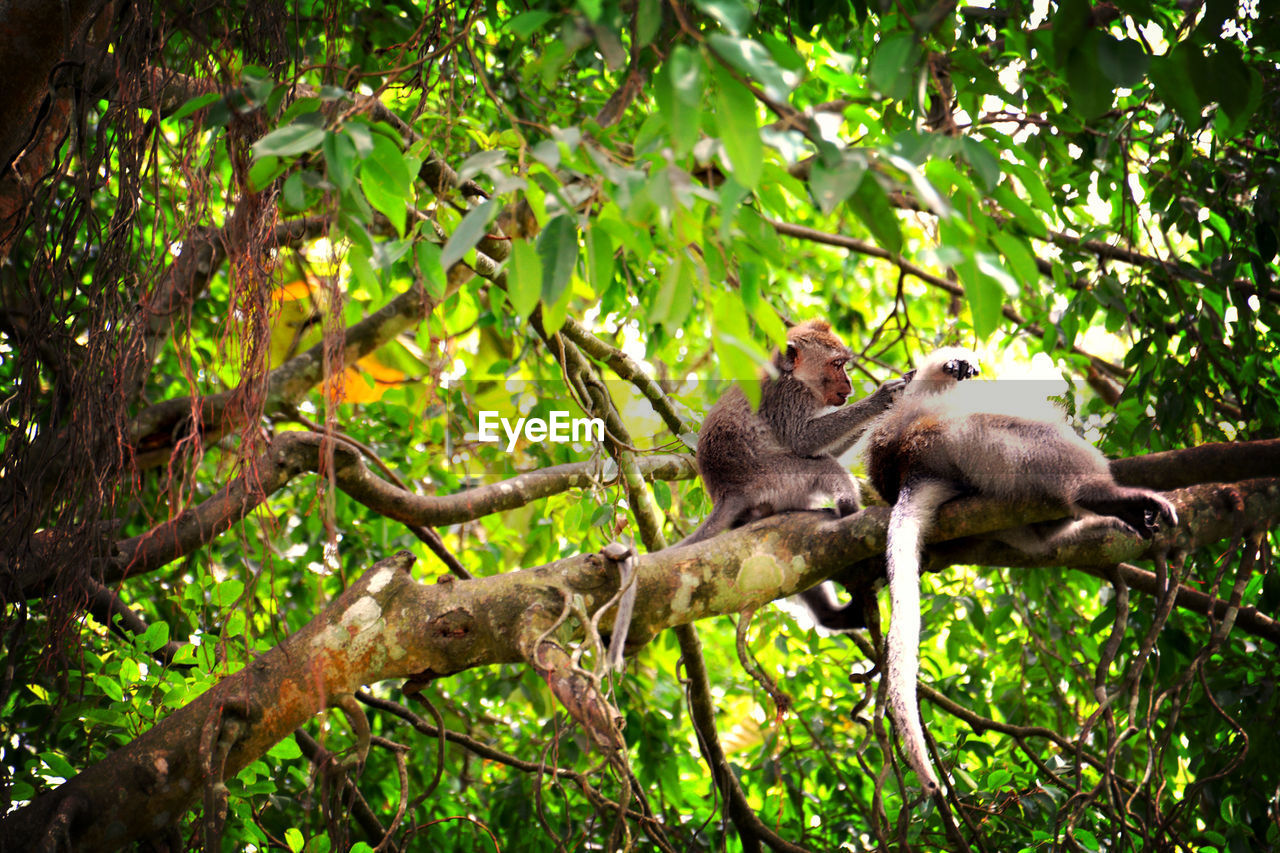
x: 836, y: 387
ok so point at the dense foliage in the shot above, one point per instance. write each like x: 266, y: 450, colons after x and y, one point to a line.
x: 376, y: 221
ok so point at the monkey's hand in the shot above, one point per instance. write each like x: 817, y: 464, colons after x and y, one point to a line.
x: 1159, y: 512
x: 887, y: 393
x: 1147, y: 513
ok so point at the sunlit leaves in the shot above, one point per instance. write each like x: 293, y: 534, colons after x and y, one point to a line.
x: 558, y: 251
x: 737, y: 128
x: 599, y: 258
x: 872, y: 206
x: 755, y: 63
x: 734, y: 15
x: 739, y: 354
x: 289, y: 141
x: 340, y: 159
x: 893, y: 65
x: 679, y: 92
x: 831, y: 186
x: 385, y: 179
x: 196, y: 103
x: 429, y: 257
x: 524, y: 277
x: 470, y: 231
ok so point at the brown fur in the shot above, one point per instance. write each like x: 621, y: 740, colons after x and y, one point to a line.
x: 782, y: 457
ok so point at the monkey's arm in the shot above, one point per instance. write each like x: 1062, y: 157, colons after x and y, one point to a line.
x: 836, y: 432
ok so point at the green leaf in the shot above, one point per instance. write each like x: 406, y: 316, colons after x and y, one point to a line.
x: 524, y: 277
x: 558, y: 250
x: 985, y: 297
x: 285, y: 749
x: 739, y: 355
x: 109, y: 687
x: 366, y: 279
x: 1017, y: 251
x: 739, y: 134
x: 599, y: 258
x: 1123, y: 61
x: 924, y: 190
x: 871, y: 205
x: 1070, y: 26
x: 662, y: 302
x: 1231, y: 81
x: 1090, y: 93
x: 434, y: 279
x: 289, y: 141
x: 1086, y: 839
x: 830, y: 187
x: 156, y: 635
x: 648, y: 21
x: 984, y: 163
x: 734, y: 15
x: 227, y: 593
x: 196, y: 103
x: 528, y: 23
x: 553, y: 313
x: 470, y: 231
x: 385, y: 179
x: 294, y: 839
x: 755, y: 62
x: 989, y: 265
x: 893, y: 65
x: 678, y: 91
x: 294, y: 195
x: 1032, y: 181
x: 361, y: 136
x: 1173, y: 83
x: 1026, y: 216
x: 58, y: 765
x: 340, y: 159
x: 307, y: 107
x: 264, y: 171
x: 686, y: 67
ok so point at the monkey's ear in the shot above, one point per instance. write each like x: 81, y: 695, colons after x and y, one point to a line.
x: 788, y: 361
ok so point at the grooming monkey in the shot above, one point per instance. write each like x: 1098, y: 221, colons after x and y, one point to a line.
x: 939, y: 442
x: 782, y: 457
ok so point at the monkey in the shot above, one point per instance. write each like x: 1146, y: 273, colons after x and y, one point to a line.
x: 782, y: 457
x: 939, y: 443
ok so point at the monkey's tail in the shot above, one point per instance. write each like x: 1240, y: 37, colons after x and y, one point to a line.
x: 721, y: 518
x: 912, y: 516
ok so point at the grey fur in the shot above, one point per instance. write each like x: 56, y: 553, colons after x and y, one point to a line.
x: 935, y: 444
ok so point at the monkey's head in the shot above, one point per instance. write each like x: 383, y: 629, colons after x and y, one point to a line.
x: 941, y: 370
x: 816, y: 358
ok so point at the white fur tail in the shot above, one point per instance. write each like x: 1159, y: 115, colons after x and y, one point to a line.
x: 912, y: 516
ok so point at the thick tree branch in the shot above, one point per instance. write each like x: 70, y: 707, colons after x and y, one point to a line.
x: 1224, y: 462
x: 387, y: 626
x: 292, y: 453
